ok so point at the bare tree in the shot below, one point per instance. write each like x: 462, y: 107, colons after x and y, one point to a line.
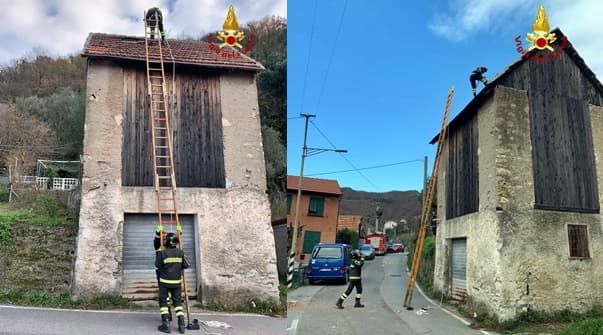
x: 23, y: 140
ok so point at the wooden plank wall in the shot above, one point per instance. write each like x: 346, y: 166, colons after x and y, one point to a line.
x: 462, y: 182
x: 561, y: 134
x: 196, y: 123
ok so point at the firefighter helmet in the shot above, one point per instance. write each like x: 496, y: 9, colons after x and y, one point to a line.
x: 171, y: 240
x: 356, y: 253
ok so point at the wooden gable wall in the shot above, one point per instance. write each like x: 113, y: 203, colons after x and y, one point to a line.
x: 561, y: 135
x: 462, y: 175
x: 196, y: 123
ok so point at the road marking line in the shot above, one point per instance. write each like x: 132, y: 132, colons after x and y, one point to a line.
x: 293, y: 328
x: 119, y: 311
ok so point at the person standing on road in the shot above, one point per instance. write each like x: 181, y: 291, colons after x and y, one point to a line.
x: 355, y: 280
x: 169, y: 263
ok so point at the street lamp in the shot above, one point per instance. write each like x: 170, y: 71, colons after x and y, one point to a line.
x: 306, y: 152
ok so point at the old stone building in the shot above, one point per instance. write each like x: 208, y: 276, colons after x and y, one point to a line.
x: 219, y: 171
x: 519, y: 189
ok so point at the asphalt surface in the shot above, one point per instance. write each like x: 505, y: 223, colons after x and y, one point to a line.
x: 16, y: 320
x: 311, y: 309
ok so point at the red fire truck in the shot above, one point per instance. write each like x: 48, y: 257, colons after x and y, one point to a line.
x: 377, y: 240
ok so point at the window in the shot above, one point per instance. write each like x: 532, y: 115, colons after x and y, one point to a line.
x: 577, y: 236
x: 289, y: 196
x: 317, y: 206
x: 311, y: 238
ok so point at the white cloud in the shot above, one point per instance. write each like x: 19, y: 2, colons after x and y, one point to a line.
x: 470, y: 16
x: 580, y: 20
x: 60, y: 27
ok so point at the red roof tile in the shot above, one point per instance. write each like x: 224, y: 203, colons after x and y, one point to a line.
x: 193, y: 52
x: 326, y: 186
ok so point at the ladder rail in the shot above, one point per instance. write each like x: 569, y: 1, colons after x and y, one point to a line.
x: 426, y: 211
x: 159, y: 106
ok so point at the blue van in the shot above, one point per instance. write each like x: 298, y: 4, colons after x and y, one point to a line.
x: 329, y: 261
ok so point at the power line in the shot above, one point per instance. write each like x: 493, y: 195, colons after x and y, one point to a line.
x: 342, y: 155
x: 308, y: 59
x: 367, y: 168
x: 324, y: 81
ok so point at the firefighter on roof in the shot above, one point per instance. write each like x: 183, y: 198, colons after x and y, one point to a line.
x: 154, y: 19
x: 478, y: 74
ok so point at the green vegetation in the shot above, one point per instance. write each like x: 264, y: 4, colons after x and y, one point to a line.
x: 563, y: 322
x: 347, y: 236
x: 268, y: 307
x: 62, y: 300
x: 591, y: 327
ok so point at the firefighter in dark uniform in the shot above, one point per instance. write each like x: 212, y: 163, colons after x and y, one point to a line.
x: 355, y: 280
x: 152, y: 15
x: 158, y: 248
x: 478, y: 75
x: 169, y: 264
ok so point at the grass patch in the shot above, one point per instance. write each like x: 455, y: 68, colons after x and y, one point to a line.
x: 109, y: 301
x: 539, y: 321
x: 45, y: 212
x: 63, y: 300
x: 591, y: 327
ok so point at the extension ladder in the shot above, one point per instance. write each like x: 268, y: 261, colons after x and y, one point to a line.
x: 425, y: 217
x: 164, y: 179
x: 163, y: 159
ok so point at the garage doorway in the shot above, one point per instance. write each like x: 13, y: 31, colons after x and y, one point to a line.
x: 139, y: 278
x: 459, y: 268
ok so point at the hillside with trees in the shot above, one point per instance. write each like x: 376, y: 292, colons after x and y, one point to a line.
x: 396, y: 206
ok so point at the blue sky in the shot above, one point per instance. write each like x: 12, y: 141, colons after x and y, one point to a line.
x: 377, y: 76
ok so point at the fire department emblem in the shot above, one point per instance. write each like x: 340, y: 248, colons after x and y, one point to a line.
x: 541, y: 38
x: 230, y: 35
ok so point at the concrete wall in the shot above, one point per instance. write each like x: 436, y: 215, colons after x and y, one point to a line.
x: 236, y: 242
x: 510, y: 245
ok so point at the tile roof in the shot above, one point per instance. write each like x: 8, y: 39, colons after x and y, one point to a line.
x: 194, y: 52
x: 326, y: 186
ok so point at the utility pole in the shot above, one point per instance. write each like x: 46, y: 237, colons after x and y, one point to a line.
x: 305, y: 153
x: 297, y: 204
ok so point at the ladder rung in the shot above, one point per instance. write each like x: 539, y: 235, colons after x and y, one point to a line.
x: 162, y: 137
x: 168, y: 221
x: 159, y: 118
x: 165, y: 188
x: 154, y: 69
x: 163, y: 166
x: 164, y: 177
x: 160, y: 128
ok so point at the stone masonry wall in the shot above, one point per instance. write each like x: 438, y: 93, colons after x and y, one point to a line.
x: 236, y: 241
x: 517, y: 256
x: 98, y: 256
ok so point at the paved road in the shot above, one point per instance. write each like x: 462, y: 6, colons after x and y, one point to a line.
x: 311, y: 309
x: 37, y: 321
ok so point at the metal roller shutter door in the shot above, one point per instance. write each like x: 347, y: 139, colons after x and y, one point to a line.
x: 459, y: 268
x: 139, y: 278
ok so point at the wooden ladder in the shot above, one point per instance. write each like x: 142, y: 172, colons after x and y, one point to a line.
x: 161, y: 136
x: 164, y: 179
x: 425, y: 217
